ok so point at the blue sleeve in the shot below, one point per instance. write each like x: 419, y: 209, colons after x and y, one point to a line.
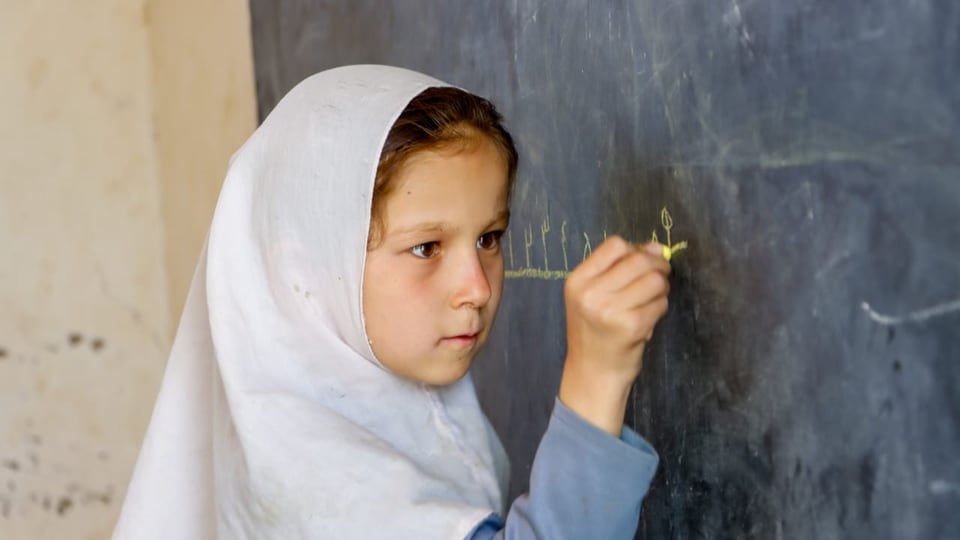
x: 584, y: 484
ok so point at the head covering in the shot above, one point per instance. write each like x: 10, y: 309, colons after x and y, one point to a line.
x: 275, y: 419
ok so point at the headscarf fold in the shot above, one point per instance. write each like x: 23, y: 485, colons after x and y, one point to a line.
x: 275, y: 419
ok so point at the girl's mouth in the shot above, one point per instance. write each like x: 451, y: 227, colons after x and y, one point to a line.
x: 463, y: 340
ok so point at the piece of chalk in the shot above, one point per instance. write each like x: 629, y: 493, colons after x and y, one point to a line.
x: 667, y: 253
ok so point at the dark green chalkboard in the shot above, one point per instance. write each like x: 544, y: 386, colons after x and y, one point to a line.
x: 806, y: 382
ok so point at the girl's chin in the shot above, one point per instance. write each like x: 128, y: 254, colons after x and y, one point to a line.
x: 449, y: 373
x: 449, y: 362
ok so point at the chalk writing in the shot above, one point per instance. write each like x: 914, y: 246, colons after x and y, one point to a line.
x: 563, y: 244
x: 669, y: 249
x: 548, y: 271
x: 527, y: 242
x: 544, y: 229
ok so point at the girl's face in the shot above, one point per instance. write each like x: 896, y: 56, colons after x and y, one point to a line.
x: 432, y: 286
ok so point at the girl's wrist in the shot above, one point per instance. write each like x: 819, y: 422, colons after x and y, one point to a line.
x: 598, y: 397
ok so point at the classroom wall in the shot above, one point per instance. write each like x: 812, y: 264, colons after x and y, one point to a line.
x: 118, y: 119
x: 204, y: 108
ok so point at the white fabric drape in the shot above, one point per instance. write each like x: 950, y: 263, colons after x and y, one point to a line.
x: 274, y: 419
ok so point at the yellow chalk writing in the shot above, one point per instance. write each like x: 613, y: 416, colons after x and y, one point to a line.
x: 544, y: 229
x: 536, y: 273
x: 563, y: 244
x: 527, y: 242
x: 669, y: 249
x: 546, y: 270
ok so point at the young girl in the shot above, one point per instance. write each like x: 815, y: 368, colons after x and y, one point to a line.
x: 318, y: 385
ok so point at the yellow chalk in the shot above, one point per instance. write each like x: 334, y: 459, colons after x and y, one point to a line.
x: 669, y: 252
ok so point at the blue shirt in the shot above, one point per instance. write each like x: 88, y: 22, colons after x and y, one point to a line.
x: 584, y: 483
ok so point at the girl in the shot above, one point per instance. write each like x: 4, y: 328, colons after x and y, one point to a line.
x: 318, y: 385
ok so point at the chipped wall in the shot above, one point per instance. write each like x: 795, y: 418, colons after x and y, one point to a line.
x: 117, y: 124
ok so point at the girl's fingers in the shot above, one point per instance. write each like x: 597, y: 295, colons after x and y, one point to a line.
x: 629, y: 309
x: 601, y: 259
x: 660, y: 263
x: 629, y: 269
x: 647, y: 316
x: 642, y: 291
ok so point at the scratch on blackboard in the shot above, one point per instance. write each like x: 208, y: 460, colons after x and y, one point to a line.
x: 914, y: 316
x: 530, y: 19
x: 942, y: 487
x: 734, y: 18
x: 832, y: 263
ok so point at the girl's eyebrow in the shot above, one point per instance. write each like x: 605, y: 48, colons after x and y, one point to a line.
x: 504, y: 215
x: 441, y: 226
x: 426, y: 227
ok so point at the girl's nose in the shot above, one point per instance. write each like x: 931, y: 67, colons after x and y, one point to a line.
x: 472, y: 287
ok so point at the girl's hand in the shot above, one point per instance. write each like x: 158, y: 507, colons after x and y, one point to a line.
x: 613, y: 300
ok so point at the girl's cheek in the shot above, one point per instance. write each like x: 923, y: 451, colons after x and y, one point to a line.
x: 418, y: 284
x: 407, y: 270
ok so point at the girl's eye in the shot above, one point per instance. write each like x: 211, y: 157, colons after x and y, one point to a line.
x: 489, y: 241
x: 427, y: 250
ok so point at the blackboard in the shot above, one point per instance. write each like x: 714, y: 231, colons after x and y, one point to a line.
x: 806, y: 381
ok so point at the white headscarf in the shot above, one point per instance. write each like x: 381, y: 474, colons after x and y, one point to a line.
x: 275, y: 420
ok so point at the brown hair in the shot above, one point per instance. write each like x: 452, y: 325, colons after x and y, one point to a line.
x: 436, y: 118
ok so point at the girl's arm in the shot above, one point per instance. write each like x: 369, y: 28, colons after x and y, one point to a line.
x: 584, y: 484
x: 591, y: 473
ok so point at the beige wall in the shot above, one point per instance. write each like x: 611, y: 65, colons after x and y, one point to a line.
x: 118, y: 119
x: 204, y: 108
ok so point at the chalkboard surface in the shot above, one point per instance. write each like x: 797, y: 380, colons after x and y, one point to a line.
x: 806, y: 381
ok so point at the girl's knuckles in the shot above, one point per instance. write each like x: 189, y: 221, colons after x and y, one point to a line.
x: 607, y: 317
x: 642, y: 263
x: 659, y: 283
x: 592, y: 301
x: 634, y: 327
x: 572, y: 283
x: 663, y: 306
x: 618, y: 244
